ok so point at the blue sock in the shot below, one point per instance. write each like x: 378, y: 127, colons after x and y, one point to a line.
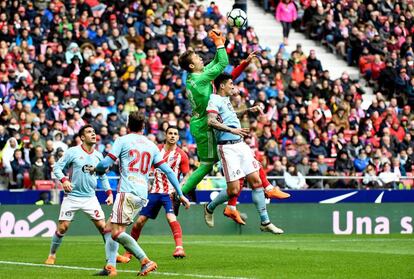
x: 56, y: 241
x: 221, y: 198
x: 131, y: 245
x: 260, y: 203
x: 111, y: 249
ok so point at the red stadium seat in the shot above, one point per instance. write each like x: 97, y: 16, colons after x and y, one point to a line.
x: 409, y: 182
x: 330, y: 162
x: 44, y: 184
x: 348, y: 134
x: 27, y: 183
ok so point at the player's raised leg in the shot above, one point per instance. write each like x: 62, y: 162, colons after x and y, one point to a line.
x: 260, y: 203
x: 230, y: 210
x: 271, y: 191
x: 232, y: 190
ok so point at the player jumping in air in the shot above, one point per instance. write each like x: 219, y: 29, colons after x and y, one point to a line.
x: 160, y: 192
x: 80, y: 192
x: 199, y: 85
x: 235, y: 155
x: 136, y: 156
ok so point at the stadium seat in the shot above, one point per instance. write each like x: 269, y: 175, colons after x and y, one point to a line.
x: 409, y: 182
x: 27, y: 183
x: 44, y: 184
x: 330, y: 162
x: 348, y: 134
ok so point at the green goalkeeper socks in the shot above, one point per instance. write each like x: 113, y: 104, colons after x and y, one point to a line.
x: 131, y: 245
x: 197, y: 176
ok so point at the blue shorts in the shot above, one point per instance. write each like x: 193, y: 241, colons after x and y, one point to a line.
x: 155, y: 201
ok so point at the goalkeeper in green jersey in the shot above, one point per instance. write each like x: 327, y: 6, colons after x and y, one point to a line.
x: 199, y: 87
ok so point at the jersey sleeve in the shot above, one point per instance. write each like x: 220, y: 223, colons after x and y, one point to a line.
x: 104, y: 178
x: 105, y: 182
x: 215, y: 68
x: 238, y: 70
x: 184, y: 164
x: 157, y: 157
x: 213, y: 105
x: 62, y: 163
x: 116, y: 149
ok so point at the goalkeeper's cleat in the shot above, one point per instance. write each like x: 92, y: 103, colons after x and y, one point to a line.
x: 179, y: 252
x: 147, y: 267
x: 276, y: 193
x: 208, y: 217
x: 50, y: 260
x: 271, y: 228
x: 123, y: 258
x: 233, y: 214
x: 108, y: 270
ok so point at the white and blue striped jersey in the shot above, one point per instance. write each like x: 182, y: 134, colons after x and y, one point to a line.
x: 83, y: 182
x: 225, y: 114
x: 137, y: 155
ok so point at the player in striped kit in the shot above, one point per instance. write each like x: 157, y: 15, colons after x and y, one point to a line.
x: 136, y: 155
x: 80, y: 192
x: 161, y: 191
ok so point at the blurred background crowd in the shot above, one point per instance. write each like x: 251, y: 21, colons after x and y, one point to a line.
x: 67, y: 63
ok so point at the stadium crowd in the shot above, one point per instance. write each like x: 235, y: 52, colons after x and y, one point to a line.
x: 67, y: 63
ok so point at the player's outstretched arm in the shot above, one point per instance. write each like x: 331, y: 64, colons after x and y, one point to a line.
x: 240, y: 68
x: 221, y: 60
x: 252, y: 109
x: 103, y: 165
x: 165, y: 168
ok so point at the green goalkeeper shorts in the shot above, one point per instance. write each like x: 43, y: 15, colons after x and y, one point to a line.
x: 205, y: 140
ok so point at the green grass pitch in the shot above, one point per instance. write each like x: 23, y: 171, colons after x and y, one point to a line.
x: 225, y: 257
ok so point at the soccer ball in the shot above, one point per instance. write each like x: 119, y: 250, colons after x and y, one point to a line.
x: 237, y: 18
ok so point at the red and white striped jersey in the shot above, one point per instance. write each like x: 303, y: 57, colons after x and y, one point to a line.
x: 177, y: 159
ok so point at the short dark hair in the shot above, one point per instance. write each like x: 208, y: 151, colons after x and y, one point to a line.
x: 185, y: 60
x: 82, y: 130
x: 171, y: 127
x: 136, y: 121
x: 222, y: 78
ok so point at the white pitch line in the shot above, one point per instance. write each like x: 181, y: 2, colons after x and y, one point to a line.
x: 121, y: 270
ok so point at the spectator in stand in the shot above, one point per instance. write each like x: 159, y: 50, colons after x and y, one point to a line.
x: 286, y: 13
x: 387, y: 177
x: 294, y: 179
x: 278, y: 171
x: 314, y: 183
x: 371, y: 180
x: 19, y: 168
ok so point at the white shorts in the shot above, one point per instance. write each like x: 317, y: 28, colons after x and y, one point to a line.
x: 237, y: 160
x: 126, y: 208
x: 89, y: 205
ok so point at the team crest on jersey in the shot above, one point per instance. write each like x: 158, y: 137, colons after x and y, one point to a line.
x: 229, y: 106
x: 87, y: 168
x: 68, y: 213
